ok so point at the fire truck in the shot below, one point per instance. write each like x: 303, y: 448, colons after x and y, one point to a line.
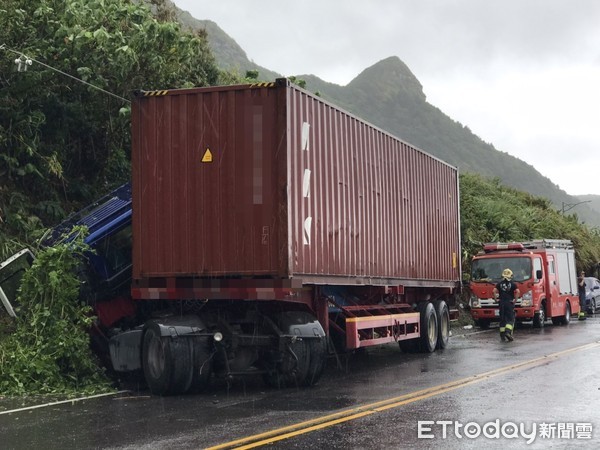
x: 544, y: 270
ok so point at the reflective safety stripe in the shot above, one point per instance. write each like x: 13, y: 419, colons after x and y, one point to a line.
x: 509, y: 326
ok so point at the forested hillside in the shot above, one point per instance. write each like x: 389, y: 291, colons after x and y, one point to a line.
x: 63, y: 142
x: 492, y: 212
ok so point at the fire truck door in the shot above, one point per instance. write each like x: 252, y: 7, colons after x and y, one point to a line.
x: 552, y: 307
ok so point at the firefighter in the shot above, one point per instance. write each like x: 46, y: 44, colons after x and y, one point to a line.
x: 581, y: 292
x: 506, y: 293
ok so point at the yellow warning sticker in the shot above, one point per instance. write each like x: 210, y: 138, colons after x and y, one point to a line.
x: 207, y: 158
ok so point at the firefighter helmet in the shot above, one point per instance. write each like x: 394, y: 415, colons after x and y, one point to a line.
x: 507, y: 273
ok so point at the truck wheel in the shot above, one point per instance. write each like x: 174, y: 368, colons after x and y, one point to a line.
x: 166, y: 362
x: 429, y: 327
x: 557, y: 321
x: 567, y: 317
x: 202, y: 363
x: 443, y: 319
x: 302, y: 365
x: 303, y: 360
x: 539, y: 318
x: 292, y: 368
x: 318, y: 358
x: 563, y: 320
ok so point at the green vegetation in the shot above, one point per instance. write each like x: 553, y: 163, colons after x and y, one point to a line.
x: 492, y: 212
x: 64, y: 143
x: 48, y: 351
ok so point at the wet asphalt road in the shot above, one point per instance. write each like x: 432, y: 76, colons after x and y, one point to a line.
x: 558, y: 392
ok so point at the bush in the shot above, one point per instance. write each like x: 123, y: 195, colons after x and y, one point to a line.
x: 49, y: 350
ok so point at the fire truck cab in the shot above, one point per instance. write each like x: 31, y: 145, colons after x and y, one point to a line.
x: 544, y: 271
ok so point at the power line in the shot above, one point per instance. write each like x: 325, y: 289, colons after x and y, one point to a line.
x: 567, y: 206
x: 27, y: 61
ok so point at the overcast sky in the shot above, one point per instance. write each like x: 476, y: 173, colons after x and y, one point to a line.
x: 523, y: 75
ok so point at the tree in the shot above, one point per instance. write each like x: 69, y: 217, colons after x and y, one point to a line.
x: 64, y: 141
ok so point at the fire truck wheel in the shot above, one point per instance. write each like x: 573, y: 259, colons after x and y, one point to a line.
x: 202, y: 363
x: 443, y: 320
x: 539, y: 318
x: 166, y: 362
x: 563, y: 320
x: 429, y: 327
x: 567, y: 317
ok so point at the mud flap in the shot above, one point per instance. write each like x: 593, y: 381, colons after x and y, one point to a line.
x: 125, y: 351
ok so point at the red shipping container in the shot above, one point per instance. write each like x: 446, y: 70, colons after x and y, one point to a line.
x: 269, y: 181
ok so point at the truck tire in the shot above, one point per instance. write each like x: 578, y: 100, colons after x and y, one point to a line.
x: 302, y: 365
x: 318, y: 358
x: 202, y: 363
x: 292, y: 368
x: 303, y: 361
x: 166, y: 362
x: 429, y: 327
x: 563, y: 320
x: 539, y: 318
x: 443, y: 319
x: 567, y: 317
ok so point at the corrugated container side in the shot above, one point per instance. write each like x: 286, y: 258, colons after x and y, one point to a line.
x: 296, y: 188
x: 365, y: 205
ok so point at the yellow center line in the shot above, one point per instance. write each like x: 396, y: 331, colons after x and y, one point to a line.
x: 329, y: 420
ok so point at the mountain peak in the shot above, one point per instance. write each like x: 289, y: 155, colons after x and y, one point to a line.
x: 391, y: 77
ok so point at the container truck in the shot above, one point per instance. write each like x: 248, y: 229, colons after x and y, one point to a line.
x: 544, y: 271
x: 267, y: 225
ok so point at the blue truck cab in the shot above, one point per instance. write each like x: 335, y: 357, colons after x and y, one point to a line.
x: 106, y: 270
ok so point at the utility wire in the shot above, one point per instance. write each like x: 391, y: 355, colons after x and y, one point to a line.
x: 4, y: 47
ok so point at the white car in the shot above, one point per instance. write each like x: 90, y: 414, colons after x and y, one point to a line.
x: 592, y: 295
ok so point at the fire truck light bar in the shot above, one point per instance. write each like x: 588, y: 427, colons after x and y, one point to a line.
x: 498, y: 246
